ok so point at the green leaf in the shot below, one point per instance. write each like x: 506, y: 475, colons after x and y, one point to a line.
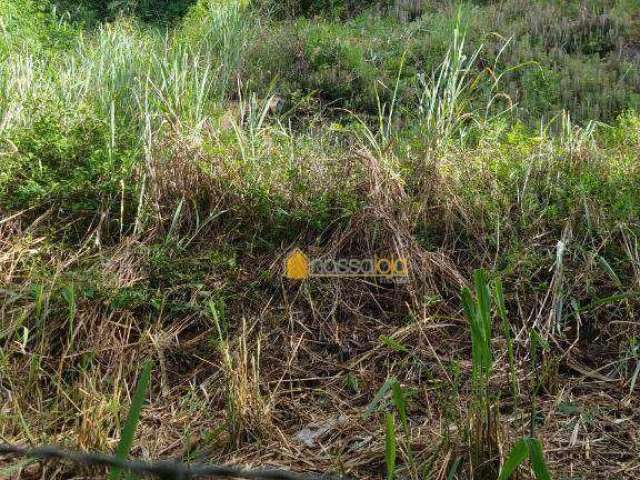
x: 518, y: 454
x: 567, y: 408
x: 401, y: 405
x: 484, y: 302
x: 478, y: 313
x: 454, y: 468
x: 174, y: 221
x: 69, y: 296
x: 610, y: 300
x: 468, y: 304
x: 536, y: 457
x: 527, y: 447
x: 500, y: 305
x: 129, y: 430
x: 375, y: 403
x: 390, y: 447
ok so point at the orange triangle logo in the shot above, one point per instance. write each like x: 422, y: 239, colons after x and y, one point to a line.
x: 296, y: 266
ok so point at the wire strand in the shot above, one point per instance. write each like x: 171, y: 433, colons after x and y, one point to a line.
x: 166, y: 470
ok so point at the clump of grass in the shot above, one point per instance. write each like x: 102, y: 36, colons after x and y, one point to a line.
x: 443, y: 102
x: 485, y: 426
x: 248, y: 412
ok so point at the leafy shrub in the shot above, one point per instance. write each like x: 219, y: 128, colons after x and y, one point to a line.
x: 93, y: 11
x: 27, y: 25
x: 65, y: 163
x: 311, y: 8
x: 540, y: 90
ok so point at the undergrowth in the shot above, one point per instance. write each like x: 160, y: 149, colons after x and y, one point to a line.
x: 155, y: 170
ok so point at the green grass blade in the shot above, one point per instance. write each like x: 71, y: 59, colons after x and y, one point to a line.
x: 536, y: 457
x: 484, y: 316
x: 454, y: 468
x: 499, y: 297
x: 518, y: 454
x: 401, y: 405
x: 527, y: 447
x: 390, y: 447
x: 129, y: 430
x: 607, y: 268
x: 375, y: 403
x: 468, y: 304
x: 175, y: 219
x: 610, y: 300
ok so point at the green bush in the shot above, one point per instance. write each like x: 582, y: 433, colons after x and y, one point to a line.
x: 33, y: 27
x: 153, y: 11
x: 311, y: 8
x: 64, y: 161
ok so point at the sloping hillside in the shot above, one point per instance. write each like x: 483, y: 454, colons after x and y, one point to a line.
x: 160, y: 161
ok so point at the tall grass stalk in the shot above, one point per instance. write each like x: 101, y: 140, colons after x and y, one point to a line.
x: 484, y: 434
x: 478, y: 313
x: 443, y: 102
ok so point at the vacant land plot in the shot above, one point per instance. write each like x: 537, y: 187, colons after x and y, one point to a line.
x: 160, y: 161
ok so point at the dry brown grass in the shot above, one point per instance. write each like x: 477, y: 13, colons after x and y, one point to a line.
x: 286, y: 357
x: 246, y: 398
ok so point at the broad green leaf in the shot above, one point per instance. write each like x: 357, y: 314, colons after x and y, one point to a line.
x: 518, y: 454
x: 536, y: 457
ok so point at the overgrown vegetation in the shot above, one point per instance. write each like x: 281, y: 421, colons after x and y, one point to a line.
x: 158, y: 160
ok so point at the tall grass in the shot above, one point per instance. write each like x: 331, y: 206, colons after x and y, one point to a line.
x: 136, y: 72
x: 139, y: 90
x: 484, y: 433
x: 443, y: 105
